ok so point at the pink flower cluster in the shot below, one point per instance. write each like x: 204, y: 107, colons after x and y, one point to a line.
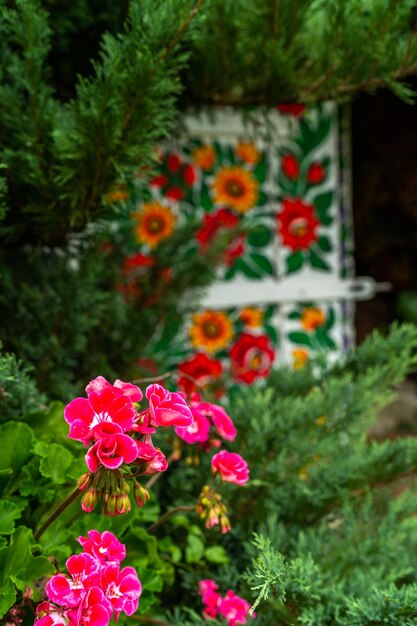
x: 205, y: 415
x: 95, y: 588
x: 109, y: 422
x: 231, y: 467
x: 232, y: 607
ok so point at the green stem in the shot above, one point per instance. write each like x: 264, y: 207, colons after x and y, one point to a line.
x: 167, y: 515
x: 72, y: 496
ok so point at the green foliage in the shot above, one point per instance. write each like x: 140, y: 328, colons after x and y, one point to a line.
x: 18, y: 392
x: 273, y: 51
x: 60, y: 158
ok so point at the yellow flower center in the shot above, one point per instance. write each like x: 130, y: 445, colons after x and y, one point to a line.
x: 299, y: 227
x: 211, y: 329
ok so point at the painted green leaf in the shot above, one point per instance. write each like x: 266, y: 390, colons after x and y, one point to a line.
x: 269, y: 312
x: 262, y: 199
x: 9, y: 512
x: 300, y: 338
x: 216, y: 554
x: 272, y: 334
x: 287, y: 185
x: 259, y: 237
x: 205, y: 198
x: 324, y: 339
x: 311, y: 137
x: 230, y: 272
x: 324, y: 244
x: 294, y: 261
x: 241, y: 265
x: 262, y: 262
x: 55, y: 462
x: 317, y: 262
x: 323, y: 201
x: 330, y: 320
x: 260, y: 171
x: 294, y: 315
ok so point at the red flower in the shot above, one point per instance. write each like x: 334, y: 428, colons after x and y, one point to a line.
x: 189, y: 175
x: 294, y: 109
x: 159, y: 181
x: 297, y: 224
x: 175, y: 193
x: 290, y: 166
x: 136, y: 261
x: 235, y: 250
x: 173, y: 163
x: 251, y: 357
x: 213, y: 222
x: 316, y: 173
x: 199, y: 369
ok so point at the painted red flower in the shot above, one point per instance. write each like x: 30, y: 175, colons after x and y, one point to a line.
x: 136, y: 261
x: 251, y: 357
x: 173, y: 162
x: 189, y: 175
x: 175, y: 193
x: 235, y: 250
x: 296, y: 109
x: 158, y: 181
x: 200, y: 369
x: 297, y: 224
x: 316, y: 173
x: 290, y: 166
x: 214, y: 222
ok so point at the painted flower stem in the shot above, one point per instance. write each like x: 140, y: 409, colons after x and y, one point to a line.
x: 69, y: 499
x: 167, y: 515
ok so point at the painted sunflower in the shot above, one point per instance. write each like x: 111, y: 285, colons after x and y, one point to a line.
x: 205, y: 157
x: 312, y: 318
x: 155, y: 222
x: 248, y: 152
x: 236, y: 188
x: 300, y: 358
x: 211, y: 330
x: 251, y: 316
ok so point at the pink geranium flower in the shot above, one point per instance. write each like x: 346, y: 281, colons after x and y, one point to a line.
x: 109, y: 405
x: 95, y: 610
x: 157, y: 464
x: 221, y: 420
x: 105, y: 547
x: 198, y: 431
x: 211, y: 598
x: 112, y: 450
x: 49, y: 615
x: 234, y: 608
x: 99, y: 384
x: 167, y: 408
x: 231, y: 467
x: 122, y: 588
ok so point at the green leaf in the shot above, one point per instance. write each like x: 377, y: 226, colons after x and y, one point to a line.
x: 300, y: 338
x: 269, y: 312
x: 216, y: 554
x: 169, y: 332
x: 17, y: 563
x: 8, y: 513
x: 194, y: 550
x: 259, y: 237
x: 55, y: 462
x: 205, y: 199
x: 324, y: 244
x: 330, y: 320
x: 16, y: 447
x: 287, y: 185
x: 317, y: 262
x: 294, y: 315
x: 262, y: 262
x: 294, y: 261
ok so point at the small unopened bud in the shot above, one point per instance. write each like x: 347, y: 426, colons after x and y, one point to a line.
x: 122, y: 504
x: 90, y: 499
x: 225, y: 524
x: 84, y: 481
x: 141, y: 494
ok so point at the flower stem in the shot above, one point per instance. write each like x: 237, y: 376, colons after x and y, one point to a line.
x: 167, y: 515
x: 70, y: 498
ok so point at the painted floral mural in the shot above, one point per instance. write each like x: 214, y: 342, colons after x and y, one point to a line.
x: 267, y: 186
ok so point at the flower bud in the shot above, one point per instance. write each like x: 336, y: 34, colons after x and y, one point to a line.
x: 90, y: 499
x: 84, y: 481
x: 141, y: 494
x: 122, y: 504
